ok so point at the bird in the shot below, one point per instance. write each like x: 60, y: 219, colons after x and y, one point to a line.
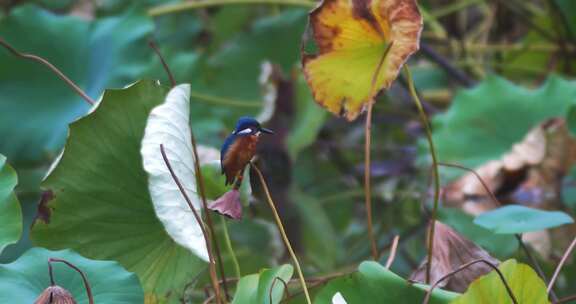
x: 239, y: 148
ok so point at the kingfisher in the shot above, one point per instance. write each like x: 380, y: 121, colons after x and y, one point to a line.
x: 239, y: 148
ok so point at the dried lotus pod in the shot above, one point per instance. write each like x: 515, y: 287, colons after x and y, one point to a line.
x: 55, y: 295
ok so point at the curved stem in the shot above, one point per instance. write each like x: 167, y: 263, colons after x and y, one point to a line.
x: 367, y: 184
x: 508, y: 289
x: 534, y: 263
x: 282, y: 232
x: 428, y: 129
x: 84, y: 278
x: 184, y: 6
x: 566, y: 299
x: 156, y: 50
x: 229, y: 247
x: 212, y: 264
x: 286, y: 291
x: 453, y: 7
x: 209, y: 223
x: 392, y: 252
x: 478, y: 177
x: 367, y: 144
x: 559, y: 267
x: 53, y: 68
x: 51, y: 274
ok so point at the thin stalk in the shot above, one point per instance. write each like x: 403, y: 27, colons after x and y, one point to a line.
x: 185, y: 6
x: 428, y: 129
x: 341, y: 196
x: 225, y: 101
x: 84, y: 278
x: 282, y: 232
x: 560, y: 265
x: 229, y: 247
x: 286, y: 291
x: 392, y: 252
x: 527, y: 18
x: 535, y: 263
x: 156, y: 50
x: 447, y: 65
x: 199, y: 96
x: 202, y: 189
x: 441, y: 44
x: 367, y: 184
x: 367, y: 149
x: 508, y: 289
x: 454, y: 7
x: 435, y: 27
x: 53, y: 68
x: 566, y: 299
x: 212, y: 264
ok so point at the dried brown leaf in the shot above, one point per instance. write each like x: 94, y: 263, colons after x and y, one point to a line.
x: 452, y: 250
x: 530, y: 174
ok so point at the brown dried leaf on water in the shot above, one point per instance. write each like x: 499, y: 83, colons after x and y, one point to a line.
x: 452, y: 250
x: 529, y: 174
x: 55, y: 295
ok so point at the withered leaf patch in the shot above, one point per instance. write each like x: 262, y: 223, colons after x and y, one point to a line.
x: 362, y: 44
x: 452, y: 250
x: 529, y: 174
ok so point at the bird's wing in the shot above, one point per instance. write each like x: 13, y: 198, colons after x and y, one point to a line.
x: 225, y: 148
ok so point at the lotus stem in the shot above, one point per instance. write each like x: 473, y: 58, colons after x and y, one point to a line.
x: 52, y: 67
x: 283, y: 232
x: 184, y: 6
x: 84, y: 278
x: 229, y: 248
x: 211, y: 263
x: 506, y: 285
x: 428, y: 129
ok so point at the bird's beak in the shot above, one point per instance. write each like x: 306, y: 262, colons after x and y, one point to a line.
x: 267, y: 131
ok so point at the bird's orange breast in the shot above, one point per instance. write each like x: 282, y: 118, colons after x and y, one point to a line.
x: 238, y: 155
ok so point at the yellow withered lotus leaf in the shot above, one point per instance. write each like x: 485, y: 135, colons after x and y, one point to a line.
x: 362, y: 44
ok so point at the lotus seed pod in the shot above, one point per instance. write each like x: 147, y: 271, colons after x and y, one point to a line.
x: 55, y: 295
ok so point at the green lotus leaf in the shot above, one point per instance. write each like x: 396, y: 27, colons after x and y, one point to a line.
x: 525, y: 284
x: 514, y: 219
x: 258, y: 288
x: 478, y: 126
x: 23, y: 280
x: 10, y: 212
x: 102, y: 208
x: 500, y: 245
x: 36, y: 106
x: 168, y: 126
x: 373, y: 281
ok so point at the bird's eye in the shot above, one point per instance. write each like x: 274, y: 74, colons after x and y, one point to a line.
x: 245, y: 131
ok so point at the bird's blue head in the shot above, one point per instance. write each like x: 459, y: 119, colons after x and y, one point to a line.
x: 249, y: 126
